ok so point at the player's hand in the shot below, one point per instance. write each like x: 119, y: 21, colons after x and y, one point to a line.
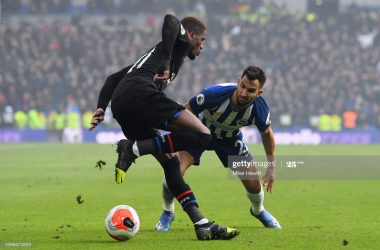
x: 119, y: 175
x: 161, y: 81
x: 97, y: 117
x: 269, y: 178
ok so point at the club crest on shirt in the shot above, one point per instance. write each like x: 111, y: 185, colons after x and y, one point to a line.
x: 200, y: 99
x: 242, y: 122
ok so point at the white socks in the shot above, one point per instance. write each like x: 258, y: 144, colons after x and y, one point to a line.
x: 167, y: 197
x: 136, y: 150
x: 256, y: 201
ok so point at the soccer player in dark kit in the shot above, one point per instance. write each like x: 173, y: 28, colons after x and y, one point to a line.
x: 140, y: 107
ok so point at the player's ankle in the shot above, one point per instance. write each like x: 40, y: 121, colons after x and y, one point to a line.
x: 257, y: 210
x: 168, y: 208
x: 135, y: 149
x: 201, y: 222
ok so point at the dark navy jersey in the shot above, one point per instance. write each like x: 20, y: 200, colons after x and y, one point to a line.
x: 146, y: 66
x: 213, y: 107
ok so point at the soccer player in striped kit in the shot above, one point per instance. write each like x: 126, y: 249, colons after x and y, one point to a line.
x: 225, y: 109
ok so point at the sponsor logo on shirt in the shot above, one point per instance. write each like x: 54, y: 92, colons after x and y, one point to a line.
x: 242, y: 122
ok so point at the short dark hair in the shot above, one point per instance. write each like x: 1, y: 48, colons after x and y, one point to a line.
x: 193, y: 24
x: 255, y: 73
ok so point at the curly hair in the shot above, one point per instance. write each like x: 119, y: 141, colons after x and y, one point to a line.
x: 193, y: 24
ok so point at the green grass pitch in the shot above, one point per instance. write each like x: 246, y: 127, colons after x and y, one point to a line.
x: 39, y: 184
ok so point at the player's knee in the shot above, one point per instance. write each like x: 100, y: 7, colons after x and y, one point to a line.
x: 169, y: 161
x: 204, y: 138
x: 163, y: 158
x: 183, y: 169
x: 205, y: 130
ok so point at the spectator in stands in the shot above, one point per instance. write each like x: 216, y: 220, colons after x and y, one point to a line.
x: 310, y: 64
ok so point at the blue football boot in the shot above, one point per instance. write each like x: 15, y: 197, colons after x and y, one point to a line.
x: 165, y: 221
x: 266, y: 218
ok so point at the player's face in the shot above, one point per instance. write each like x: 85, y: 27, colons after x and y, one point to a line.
x: 247, y: 91
x: 197, y: 44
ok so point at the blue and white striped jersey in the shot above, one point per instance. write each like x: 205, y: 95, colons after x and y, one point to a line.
x: 213, y: 107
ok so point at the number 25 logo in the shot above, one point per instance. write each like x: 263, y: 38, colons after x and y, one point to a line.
x: 291, y: 164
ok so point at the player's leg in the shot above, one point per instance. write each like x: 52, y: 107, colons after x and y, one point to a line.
x: 164, y: 223
x: 255, y: 194
x: 251, y: 183
x: 204, y: 229
x: 135, y: 131
x: 188, y: 132
x: 186, y: 160
x: 155, y: 110
x: 163, y: 113
x: 253, y: 188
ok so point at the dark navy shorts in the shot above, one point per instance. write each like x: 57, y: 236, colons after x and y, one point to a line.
x: 223, y: 148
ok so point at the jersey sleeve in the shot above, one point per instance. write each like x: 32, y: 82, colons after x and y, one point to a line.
x: 209, y: 98
x: 262, y: 117
x: 109, y: 86
x: 170, y: 30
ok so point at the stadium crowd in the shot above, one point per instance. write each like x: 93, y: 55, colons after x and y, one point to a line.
x: 317, y: 69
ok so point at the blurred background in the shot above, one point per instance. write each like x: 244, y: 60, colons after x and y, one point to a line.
x: 322, y: 59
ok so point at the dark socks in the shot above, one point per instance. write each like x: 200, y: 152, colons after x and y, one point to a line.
x: 176, y: 183
x: 177, y: 141
x: 194, y: 213
x: 146, y: 147
x: 181, y: 190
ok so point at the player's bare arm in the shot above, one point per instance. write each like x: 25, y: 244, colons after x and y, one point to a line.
x: 267, y: 138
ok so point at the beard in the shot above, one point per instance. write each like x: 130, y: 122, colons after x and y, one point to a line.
x: 238, y: 101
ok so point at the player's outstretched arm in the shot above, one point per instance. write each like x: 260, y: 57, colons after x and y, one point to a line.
x: 267, y: 138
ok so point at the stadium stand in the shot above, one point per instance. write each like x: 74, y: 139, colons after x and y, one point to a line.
x: 324, y: 69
